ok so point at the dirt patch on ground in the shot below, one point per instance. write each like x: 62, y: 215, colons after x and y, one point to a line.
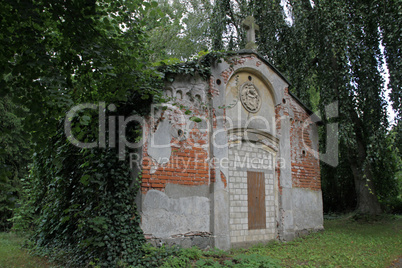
x: 397, y: 263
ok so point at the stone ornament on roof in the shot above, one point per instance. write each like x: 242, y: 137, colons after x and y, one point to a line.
x: 250, y: 97
x: 250, y: 26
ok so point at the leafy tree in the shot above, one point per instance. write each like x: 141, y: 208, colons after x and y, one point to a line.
x: 179, y: 29
x: 14, y: 159
x: 390, y: 24
x: 348, y: 72
x: 225, y: 27
x: 56, y: 54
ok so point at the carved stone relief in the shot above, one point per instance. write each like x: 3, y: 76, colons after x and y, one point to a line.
x: 250, y: 97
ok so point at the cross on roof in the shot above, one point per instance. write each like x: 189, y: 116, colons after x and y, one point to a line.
x: 251, y: 27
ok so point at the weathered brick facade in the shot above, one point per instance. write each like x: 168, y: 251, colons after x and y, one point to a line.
x: 185, y: 167
x: 305, y: 167
x: 192, y: 166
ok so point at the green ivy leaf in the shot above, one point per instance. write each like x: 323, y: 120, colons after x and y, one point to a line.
x: 85, y: 180
x: 195, y: 119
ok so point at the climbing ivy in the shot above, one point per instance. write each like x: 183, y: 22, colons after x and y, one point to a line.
x: 78, y: 203
x: 82, y: 201
x: 200, y: 65
x: 14, y: 159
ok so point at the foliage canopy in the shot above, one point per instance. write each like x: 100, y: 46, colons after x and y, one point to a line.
x: 56, y: 54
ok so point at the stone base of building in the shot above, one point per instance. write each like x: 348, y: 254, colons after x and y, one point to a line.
x: 288, y: 236
x: 206, y: 240
x: 304, y: 232
x: 201, y: 240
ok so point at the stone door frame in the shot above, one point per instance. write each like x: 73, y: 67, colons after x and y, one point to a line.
x: 256, y: 143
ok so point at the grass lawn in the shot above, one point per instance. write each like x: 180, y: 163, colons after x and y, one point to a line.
x: 345, y: 243
x: 12, y: 255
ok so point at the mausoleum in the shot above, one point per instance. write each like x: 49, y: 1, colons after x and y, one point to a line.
x: 230, y: 160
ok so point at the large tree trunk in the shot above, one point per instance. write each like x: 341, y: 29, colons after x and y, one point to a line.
x: 367, y: 202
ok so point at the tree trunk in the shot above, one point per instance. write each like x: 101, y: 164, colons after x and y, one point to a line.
x: 367, y: 202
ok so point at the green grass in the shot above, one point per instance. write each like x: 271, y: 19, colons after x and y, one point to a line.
x: 13, y: 255
x: 345, y: 243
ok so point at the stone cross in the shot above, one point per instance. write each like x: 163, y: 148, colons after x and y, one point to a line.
x: 251, y: 27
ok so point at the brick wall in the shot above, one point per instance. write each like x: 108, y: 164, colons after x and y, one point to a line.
x: 189, y: 159
x: 305, y: 167
x: 185, y: 167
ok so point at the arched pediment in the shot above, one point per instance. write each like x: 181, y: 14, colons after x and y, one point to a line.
x: 250, y: 102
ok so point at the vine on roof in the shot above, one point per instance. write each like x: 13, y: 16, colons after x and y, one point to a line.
x: 198, y: 65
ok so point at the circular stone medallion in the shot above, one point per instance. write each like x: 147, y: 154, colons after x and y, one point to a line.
x: 250, y: 97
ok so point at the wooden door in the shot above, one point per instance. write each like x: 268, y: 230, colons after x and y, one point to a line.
x: 256, y: 200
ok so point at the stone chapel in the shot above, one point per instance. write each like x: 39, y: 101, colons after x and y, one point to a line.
x: 231, y: 160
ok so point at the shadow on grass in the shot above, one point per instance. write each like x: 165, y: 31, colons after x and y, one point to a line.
x: 13, y: 255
